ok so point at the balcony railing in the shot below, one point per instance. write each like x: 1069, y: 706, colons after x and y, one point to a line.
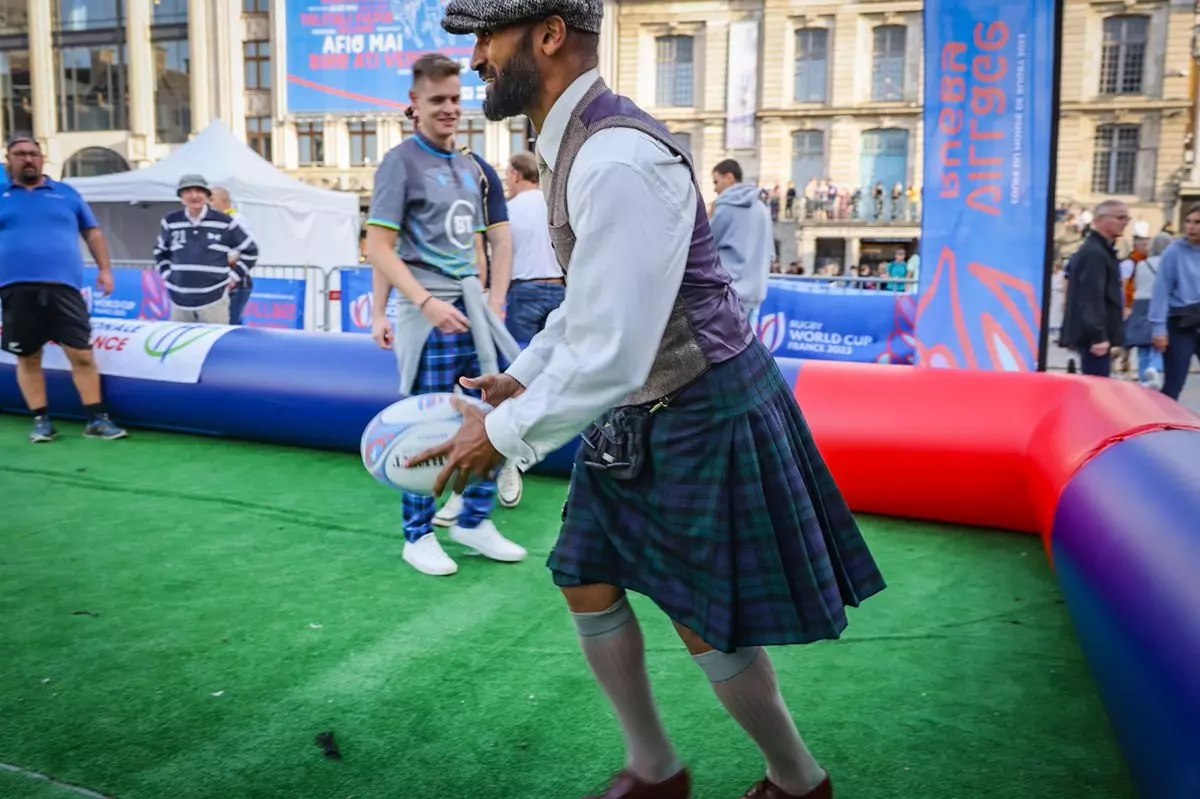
x: 855, y: 211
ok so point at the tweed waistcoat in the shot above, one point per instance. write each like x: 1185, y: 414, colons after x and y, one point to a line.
x: 707, y: 324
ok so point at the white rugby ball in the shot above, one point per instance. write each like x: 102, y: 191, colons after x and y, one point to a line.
x: 404, y: 430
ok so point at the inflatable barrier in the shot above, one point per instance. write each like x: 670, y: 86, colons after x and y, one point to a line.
x: 1105, y: 472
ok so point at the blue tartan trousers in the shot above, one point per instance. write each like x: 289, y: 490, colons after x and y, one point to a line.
x: 445, y: 358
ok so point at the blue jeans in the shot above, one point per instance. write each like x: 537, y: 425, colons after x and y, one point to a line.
x: 1149, y: 358
x: 529, y: 303
x: 447, y: 357
x: 1181, y: 348
x: 237, y: 304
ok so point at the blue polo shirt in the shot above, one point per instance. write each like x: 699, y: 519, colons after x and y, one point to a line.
x: 39, y: 234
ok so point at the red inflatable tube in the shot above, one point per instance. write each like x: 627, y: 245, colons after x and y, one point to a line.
x: 989, y: 449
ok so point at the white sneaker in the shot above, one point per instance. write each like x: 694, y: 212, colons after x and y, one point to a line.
x: 509, y: 485
x: 487, y: 541
x: 427, y: 556
x: 447, y: 515
x: 1151, y: 379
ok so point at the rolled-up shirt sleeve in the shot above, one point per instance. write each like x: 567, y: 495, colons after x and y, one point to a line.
x: 633, y: 208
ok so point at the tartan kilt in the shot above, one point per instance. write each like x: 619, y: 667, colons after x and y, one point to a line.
x: 735, y: 528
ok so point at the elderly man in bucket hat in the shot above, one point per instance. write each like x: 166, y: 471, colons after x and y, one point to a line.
x: 698, y: 483
x: 201, y: 253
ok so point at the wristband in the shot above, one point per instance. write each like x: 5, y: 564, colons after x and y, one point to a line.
x: 421, y: 307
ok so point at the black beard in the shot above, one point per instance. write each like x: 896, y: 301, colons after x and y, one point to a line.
x: 29, y: 178
x: 516, y: 89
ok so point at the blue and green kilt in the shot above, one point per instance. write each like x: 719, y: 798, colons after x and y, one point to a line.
x: 735, y: 527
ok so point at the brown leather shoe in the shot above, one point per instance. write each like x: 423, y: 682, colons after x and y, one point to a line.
x: 628, y: 786
x: 769, y: 790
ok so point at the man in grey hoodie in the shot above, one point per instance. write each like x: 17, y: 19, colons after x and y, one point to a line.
x: 741, y: 224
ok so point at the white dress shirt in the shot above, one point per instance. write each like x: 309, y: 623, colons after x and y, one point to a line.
x: 533, y: 255
x: 633, y: 207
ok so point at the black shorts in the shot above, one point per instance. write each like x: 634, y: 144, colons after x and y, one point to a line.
x: 38, y: 313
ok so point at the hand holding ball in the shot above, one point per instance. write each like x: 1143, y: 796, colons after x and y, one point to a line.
x: 419, y: 443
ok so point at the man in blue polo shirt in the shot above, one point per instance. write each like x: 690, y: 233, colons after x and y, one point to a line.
x: 41, y: 279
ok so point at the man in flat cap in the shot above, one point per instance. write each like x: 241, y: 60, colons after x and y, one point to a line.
x: 698, y: 483
x: 201, y: 254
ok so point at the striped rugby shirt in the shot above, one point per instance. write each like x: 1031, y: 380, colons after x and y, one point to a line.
x: 193, y: 257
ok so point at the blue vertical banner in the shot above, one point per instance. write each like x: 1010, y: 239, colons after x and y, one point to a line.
x: 989, y: 156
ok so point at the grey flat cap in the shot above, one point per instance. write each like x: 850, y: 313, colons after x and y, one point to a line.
x: 193, y: 181
x: 471, y: 16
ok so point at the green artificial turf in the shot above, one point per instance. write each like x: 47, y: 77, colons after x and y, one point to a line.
x: 248, y: 598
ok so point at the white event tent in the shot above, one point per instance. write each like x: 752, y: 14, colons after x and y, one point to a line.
x: 293, y: 223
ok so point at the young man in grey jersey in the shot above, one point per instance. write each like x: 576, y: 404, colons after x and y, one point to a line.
x: 421, y: 240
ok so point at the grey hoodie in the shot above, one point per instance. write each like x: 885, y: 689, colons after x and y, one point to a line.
x: 741, y: 225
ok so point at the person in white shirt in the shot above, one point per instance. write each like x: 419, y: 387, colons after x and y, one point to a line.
x: 537, y: 286
x: 698, y: 483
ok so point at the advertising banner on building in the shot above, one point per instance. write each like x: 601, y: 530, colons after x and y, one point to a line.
x: 741, y: 98
x: 170, y: 352
x: 140, y: 294
x: 357, y: 57
x: 989, y: 149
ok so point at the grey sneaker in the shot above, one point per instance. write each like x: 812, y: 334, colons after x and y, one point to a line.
x: 43, y: 430
x: 103, y: 427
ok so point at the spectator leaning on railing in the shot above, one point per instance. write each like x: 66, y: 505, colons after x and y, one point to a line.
x: 201, y: 254
x: 239, y: 293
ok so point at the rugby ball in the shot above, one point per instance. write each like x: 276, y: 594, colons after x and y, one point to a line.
x: 405, y: 429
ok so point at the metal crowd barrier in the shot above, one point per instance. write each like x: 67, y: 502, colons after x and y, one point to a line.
x: 327, y: 291
x: 316, y: 308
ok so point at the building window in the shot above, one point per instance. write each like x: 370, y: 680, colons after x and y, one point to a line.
x: 888, y: 63
x: 885, y: 160
x: 16, y: 92
x: 812, y: 65
x: 311, y: 139
x: 93, y: 161
x: 87, y: 15
x: 808, y: 157
x: 170, y: 12
x: 363, y: 147
x: 519, y: 131
x: 1123, y: 63
x: 172, y: 92
x: 256, y: 6
x: 14, y: 16
x: 676, y: 73
x: 257, y: 57
x: 92, y: 88
x: 474, y: 136
x: 258, y: 135
x: 1114, y: 165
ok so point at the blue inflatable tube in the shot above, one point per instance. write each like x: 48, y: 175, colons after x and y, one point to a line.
x: 1127, y: 551
x: 314, y: 390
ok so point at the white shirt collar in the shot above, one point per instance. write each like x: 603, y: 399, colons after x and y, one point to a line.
x: 550, y: 137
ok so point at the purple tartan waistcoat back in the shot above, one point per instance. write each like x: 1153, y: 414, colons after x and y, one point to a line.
x: 708, y: 324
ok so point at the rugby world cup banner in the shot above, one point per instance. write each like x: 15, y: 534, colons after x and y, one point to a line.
x: 989, y: 116
x: 358, y: 57
x: 798, y: 321
x: 357, y: 300
x: 141, y: 294
x: 170, y: 352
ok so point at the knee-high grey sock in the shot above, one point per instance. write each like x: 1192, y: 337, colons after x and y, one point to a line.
x: 613, y: 644
x: 745, y: 683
